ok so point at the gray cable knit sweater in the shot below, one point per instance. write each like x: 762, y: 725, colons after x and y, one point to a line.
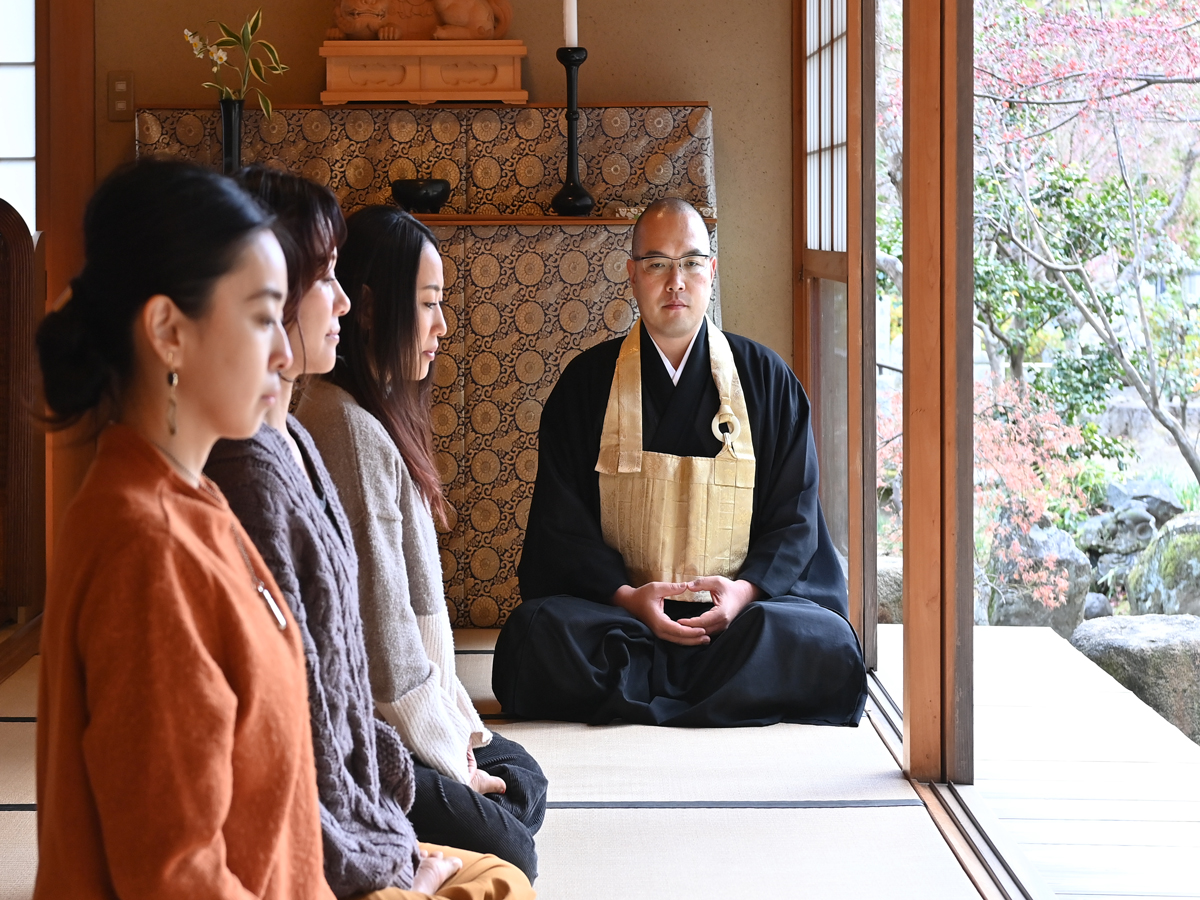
x: 365, y: 777
x: 405, y: 620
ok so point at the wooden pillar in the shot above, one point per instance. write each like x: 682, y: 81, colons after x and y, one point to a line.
x: 938, y: 538
x: 66, y: 177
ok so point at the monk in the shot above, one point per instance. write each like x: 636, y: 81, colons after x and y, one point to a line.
x: 677, y: 569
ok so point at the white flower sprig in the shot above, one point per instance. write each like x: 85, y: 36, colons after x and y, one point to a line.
x: 252, y: 65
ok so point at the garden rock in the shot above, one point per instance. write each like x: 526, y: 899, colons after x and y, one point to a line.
x: 1156, y: 657
x: 1157, y: 496
x: 889, y: 575
x: 1096, y: 606
x: 1129, y: 528
x: 1016, y: 603
x: 1112, y: 572
x: 1166, y: 578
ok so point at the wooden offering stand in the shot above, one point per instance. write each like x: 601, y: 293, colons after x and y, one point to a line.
x: 423, y: 71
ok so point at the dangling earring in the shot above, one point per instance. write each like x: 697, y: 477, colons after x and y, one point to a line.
x: 172, y: 383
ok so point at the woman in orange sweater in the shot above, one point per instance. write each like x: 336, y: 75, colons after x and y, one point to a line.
x: 173, y: 749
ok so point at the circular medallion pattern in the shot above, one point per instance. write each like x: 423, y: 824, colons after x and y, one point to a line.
x: 485, y: 270
x: 449, y: 273
x: 484, y: 612
x: 316, y: 126
x: 529, y: 416
x: 615, y: 269
x: 447, y: 466
x: 485, y: 368
x: 530, y: 171
x: 527, y: 465
x: 451, y: 520
x: 445, y: 127
x: 359, y: 125
x: 618, y: 316
x: 615, y: 122
x: 583, y: 126
x: 522, y: 513
x: 445, y: 168
x: 449, y: 564
x: 445, y: 419
x: 485, y: 515
x: 149, y: 128
x: 530, y: 124
x: 449, y: 314
x: 359, y: 172
x: 486, y: 172
x: 659, y: 122
x: 698, y: 171
x: 317, y: 171
x: 573, y: 267
x: 659, y: 169
x: 485, y: 466
x: 530, y: 316
x: 485, y: 319
x: 486, y: 126
x: 445, y: 370
x: 485, y: 417
x: 565, y: 359
x: 529, y: 268
x: 700, y: 123
x: 402, y: 126
x: 530, y: 367
x: 274, y: 129
x: 189, y: 130
x: 615, y: 169
x: 573, y: 316
x: 485, y: 563
x: 530, y: 209
x: 401, y: 168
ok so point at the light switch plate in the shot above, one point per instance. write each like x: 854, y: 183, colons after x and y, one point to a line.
x: 120, y: 96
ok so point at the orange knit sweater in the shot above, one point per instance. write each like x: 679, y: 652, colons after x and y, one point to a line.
x: 174, y: 754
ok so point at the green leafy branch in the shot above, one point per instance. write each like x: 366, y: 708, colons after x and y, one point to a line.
x: 257, y: 66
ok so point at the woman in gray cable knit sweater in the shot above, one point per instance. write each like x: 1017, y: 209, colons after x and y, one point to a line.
x: 371, y: 421
x: 279, y: 488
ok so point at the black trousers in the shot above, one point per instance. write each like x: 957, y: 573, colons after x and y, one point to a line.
x: 785, y: 659
x: 450, y: 813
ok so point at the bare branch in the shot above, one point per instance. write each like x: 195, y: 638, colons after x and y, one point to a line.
x: 892, y: 268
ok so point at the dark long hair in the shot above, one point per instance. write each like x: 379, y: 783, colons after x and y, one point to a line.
x: 377, y: 268
x: 153, y: 227
x: 308, y: 223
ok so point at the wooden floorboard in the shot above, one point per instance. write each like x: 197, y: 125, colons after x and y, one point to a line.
x: 1099, y: 792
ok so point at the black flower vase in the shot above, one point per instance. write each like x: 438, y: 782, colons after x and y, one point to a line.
x: 231, y: 135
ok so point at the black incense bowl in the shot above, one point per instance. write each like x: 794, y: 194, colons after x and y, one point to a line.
x: 421, y: 195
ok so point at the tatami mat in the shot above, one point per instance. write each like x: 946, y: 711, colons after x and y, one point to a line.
x: 839, y: 854
x: 475, y: 672
x: 18, y: 749
x: 18, y: 854
x: 18, y: 692
x: 781, y: 763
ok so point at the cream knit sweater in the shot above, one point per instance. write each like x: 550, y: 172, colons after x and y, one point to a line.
x: 406, y: 625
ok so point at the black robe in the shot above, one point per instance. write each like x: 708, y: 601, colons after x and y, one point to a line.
x: 567, y: 653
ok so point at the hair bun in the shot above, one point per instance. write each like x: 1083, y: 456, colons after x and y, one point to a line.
x: 75, y: 373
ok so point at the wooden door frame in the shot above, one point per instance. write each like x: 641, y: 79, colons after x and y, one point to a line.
x: 938, y: 383
x: 937, y: 423
x: 65, y: 35
x: 856, y: 269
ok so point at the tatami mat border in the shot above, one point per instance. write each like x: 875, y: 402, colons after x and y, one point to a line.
x: 18, y: 807
x: 730, y: 804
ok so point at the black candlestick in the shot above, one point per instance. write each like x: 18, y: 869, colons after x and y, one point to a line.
x: 573, y: 199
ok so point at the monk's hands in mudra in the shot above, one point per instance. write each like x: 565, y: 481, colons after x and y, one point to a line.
x: 646, y: 604
x: 729, y: 599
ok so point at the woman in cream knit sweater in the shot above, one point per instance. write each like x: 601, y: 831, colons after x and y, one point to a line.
x: 370, y: 422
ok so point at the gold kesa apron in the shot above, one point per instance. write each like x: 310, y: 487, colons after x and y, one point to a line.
x: 676, y: 518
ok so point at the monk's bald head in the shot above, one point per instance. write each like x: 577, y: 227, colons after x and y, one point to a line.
x: 665, y: 216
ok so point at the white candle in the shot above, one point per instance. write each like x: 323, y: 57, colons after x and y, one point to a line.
x: 570, y: 24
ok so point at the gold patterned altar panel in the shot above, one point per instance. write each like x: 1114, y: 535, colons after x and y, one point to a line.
x: 449, y: 416
x: 537, y: 295
x: 356, y: 153
x: 505, y: 161
x: 628, y: 156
